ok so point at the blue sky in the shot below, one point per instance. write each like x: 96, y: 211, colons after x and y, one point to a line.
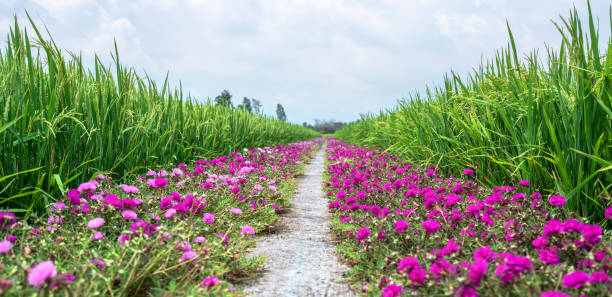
x: 320, y: 58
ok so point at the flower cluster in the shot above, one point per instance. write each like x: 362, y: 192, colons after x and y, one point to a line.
x: 176, y: 232
x: 407, y: 229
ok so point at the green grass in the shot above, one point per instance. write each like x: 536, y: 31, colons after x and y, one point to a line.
x: 545, y: 120
x: 61, y: 123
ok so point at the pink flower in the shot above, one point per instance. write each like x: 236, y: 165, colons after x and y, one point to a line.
x: 401, y: 225
x: 169, y: 213
x: 199, y: 239
x: 539, y: 243
x: 89, y: 186
x: 157, y: 183
x: 591, y: 233
x: 575, y: 279
x: 208, y: 218
x: 272, y: 188
x: 363, y: 233
x: 98, y: 262
x: 97, y: 235
x: 100, y: 177
x: 209, y: 282
x: 129, y: 189
x: 5, y: 246
x: 95, y: 223
x: 431, y: 226
x: 247, y: 230
x: 129, y: 214
x: 123, y: 238
x: 188, y: 256
x: 608, y: 213
x: 236, y: 211
x: 465, y: 291
x: 554, y: 294
x: 392, y: 290
x: 557, y: 200
x: 468, y: 171
x: 41, y: 272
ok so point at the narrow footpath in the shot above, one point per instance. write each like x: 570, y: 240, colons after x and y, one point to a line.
x: 301, y: 259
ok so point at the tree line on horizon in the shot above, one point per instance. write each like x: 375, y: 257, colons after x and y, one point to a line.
x: 251, y: 105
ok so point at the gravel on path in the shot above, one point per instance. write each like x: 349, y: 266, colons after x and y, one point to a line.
x: 301, y: 259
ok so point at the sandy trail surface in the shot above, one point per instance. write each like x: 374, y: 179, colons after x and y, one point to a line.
x: 301, y: 259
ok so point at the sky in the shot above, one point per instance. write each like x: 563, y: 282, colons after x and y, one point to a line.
x: 320, y: 59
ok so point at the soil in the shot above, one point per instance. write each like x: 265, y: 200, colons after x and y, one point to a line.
x: 300, y: 252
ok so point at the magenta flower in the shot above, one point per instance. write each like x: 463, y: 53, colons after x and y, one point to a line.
x: 549, y: 257
x: 98, y: 262
x: 209, y: 282
x: 431, y: 226
x: 524, y: 183
x: 200, y: 239
x: 208, y: 218
x: 557, y: 200
x: 417, y: 275
x: 477, y: 270
x: 591, y: 233
x: 608, y: 213
x: 157, y: 182
x: 87, y: 187
x: 272, y: 188
x: 400, y: 226
x: 468, y: 171
x: 392, y: 290
x: 5, y: 246
x: 236, y: 211
x: 363, y: 233
x: 407, y: 263
x: 41, y: 272
x: 123, y: 238
x: 247, y: 230
x: 554, y: 294
x: 575, y: 279
x: 188, y: 256
x: 129, y: 214
x: 95, y: 223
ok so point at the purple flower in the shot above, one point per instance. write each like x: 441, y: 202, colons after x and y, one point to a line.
x: 5, y: 246
x: 392, y: 290
x: 591, y: 233
x: 129, y: 189
x: 89, y: 186
x: 129, y: 214
x: 599, y: 277
x: 123, y: 238
x: 401, y: 225
x: 236, y: 211
x: 431, y: 226
x: 98, y: 262
x: 41, y: 272
x: 557, y: 200
x: 170, y: 213
x: 95, y: 223
x: 468, y: 171
x: 575, y: 279
x: 363, y: 233
x: 466, y: 291
x: 208, y: 218
x: 209, y: 282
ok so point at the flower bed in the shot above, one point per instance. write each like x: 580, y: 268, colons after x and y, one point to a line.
x: 183, y: 232
x: 407, y: 231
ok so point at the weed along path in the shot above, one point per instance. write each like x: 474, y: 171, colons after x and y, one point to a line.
x: 301, y: 259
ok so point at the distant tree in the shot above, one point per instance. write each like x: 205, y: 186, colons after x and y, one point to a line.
x: 225, y: 99
x: 280, y: 113
x: 326, y: 126
x: 256, y: 106
x: 246, y: 105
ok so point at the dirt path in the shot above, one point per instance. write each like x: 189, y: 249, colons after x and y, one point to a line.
x: 301, y: 259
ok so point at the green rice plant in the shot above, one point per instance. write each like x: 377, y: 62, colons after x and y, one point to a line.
x: 61, y: 122
x: 546, y: 121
